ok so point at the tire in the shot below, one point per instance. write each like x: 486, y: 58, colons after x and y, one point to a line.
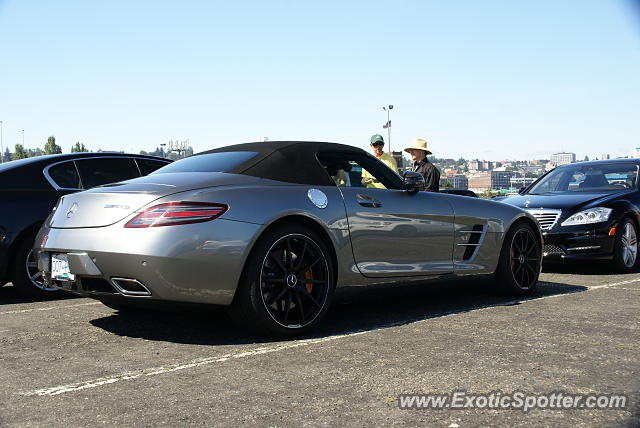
x: 625, y: 251
x: 520, y: 261
x: 24, y: 273
x: 287, y: 283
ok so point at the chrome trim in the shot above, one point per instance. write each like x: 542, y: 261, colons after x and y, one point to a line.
x: 471, y: 231
x: 51, y: 181
x: 469, y: 245
x: 589, y: 247
x: 118, y: 287
x: 537, y: 213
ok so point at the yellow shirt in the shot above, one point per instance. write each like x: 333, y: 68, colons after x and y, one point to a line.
x: 369, y: 180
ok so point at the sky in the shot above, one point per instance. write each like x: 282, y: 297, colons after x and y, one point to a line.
x: 477, y: 79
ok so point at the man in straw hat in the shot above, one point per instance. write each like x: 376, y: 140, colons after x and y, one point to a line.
x: 418, y: 151
x: 377, y: 145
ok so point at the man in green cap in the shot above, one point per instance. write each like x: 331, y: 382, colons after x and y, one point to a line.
x: 377, y: 145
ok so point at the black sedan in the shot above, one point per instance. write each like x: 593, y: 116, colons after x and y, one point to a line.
x: 30, y: 188
x: 587, y: 210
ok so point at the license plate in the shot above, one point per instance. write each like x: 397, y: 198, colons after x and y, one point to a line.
x: 60, y: 268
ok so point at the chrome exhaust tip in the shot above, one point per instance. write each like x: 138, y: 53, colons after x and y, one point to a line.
x: 130, y: 287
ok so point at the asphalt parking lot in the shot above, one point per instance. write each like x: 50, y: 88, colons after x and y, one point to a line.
x: 74, y: 362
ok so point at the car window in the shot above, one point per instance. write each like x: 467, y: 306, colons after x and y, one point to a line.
x: 588, y: 178
x: 65, y: 175
x: 210, y: 162
x: 98, y: 171
x: 352, y: 170
x: 147, y: 166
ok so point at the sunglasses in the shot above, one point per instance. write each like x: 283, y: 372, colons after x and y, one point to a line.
x: 377, y: 144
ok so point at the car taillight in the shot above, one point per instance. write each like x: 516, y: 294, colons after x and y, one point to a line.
x: 173, y: 213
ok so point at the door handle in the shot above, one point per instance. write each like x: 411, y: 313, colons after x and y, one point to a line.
x: 368, y: 201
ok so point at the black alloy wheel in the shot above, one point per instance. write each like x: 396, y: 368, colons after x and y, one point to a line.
x: 287, y: 283
x: 520, y: 261
x: 294, y: 281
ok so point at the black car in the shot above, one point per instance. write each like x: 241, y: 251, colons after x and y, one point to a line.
x: 587, y: 210
x: 30, y: 188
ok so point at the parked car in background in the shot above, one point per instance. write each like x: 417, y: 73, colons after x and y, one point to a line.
x: 271, y: 229
x: 587, y: 211
x: 30, y: 188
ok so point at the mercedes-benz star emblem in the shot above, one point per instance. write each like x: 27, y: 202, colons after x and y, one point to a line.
x: 71, y: 211
x: 292, y: 280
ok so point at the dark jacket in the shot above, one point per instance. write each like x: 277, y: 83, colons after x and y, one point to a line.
x: 430, y: 173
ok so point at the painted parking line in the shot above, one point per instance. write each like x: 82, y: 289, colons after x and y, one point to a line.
x: 50, y: 308
x: 615, y: 284
x: 93, y: 383
x: 56, y: 390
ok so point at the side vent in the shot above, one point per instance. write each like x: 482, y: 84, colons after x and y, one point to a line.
x: 475, y: 239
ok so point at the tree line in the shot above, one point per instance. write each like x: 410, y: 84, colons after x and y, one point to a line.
x: 50, y: 148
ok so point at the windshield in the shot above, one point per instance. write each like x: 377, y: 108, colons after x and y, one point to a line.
x: 210, y: 162
x: 603, y: 178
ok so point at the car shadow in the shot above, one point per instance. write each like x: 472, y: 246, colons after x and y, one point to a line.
x: 351, y: 311
x: 581, y: 267
x: 10, y: 296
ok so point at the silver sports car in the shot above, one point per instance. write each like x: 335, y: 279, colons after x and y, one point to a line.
x: 272, y: 229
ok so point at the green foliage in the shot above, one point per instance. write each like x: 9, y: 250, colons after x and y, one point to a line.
x: 19, y: 152
x: 51, y: 147
x: 447, y: 184
x: 78, y: 147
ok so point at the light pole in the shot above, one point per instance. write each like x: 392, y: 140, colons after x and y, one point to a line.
x: 1, y: 148
x: 23, y: 138
x: 162, y: 145
x: 388, y: 125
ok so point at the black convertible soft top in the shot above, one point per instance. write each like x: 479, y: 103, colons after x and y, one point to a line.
x: 288, y: 161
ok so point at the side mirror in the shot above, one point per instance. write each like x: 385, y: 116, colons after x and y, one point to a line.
x: 413, y: 181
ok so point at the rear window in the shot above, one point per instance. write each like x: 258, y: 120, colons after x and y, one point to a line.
x: 99, y: 171
x: 65, y: 175
x: 147, y: 166
x: 210, y: 162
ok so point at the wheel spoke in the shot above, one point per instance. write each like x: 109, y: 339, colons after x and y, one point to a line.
x: 302, y: 254
x: 300, y: 308
x: 288, y: 307
x: 312, y: 265
x: 36, y: 276
x: 278, y: 262
x: 271, y: 279
x: 305, y: 293
x: 277, y: 298
x: 290, y: 261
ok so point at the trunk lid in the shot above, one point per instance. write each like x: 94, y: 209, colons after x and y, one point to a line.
x: 109, y: 204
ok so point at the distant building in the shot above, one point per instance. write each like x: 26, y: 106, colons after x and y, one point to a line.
x: 563, y: 158
x: 400, y: 161
x: 501, y: 179
x: 636, y: 152
x: 605, y: 157
x: 475, y: 165
x: 519, y: 182
x: 479, y: 182
x: 458, y: 181
x: 487, y: 165
x: 538, y: 161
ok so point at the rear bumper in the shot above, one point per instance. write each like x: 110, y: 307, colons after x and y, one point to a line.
x: 591, y: 244
x: 186, y: 263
